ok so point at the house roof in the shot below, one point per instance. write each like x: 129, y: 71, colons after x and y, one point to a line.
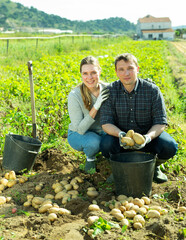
x: 158, y: 30
x: 149, y: 19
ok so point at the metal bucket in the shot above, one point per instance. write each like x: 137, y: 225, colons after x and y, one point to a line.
x: 133, y: 173
x: 20, y: 152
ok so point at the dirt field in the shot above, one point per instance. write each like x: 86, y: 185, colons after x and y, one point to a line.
x: 181, y: 46
x: 52, y: 166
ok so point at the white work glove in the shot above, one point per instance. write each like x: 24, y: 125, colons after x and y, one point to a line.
x: 121, y: 135
x: 104, y: 94
x: 147, y: 140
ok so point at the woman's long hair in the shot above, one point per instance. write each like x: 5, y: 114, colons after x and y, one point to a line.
x: 85, y: 92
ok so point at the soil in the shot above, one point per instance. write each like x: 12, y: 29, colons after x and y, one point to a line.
x: 52, y: 165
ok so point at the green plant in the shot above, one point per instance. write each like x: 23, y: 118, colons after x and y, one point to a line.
x: 102, y: 225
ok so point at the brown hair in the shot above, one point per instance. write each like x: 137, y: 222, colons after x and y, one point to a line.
x: 126, y: 57
x: 85, y: 93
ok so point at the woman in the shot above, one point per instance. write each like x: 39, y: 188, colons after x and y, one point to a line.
x: 84, y: 102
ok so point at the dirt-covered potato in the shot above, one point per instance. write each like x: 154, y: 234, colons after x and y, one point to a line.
x: 52, y: 217
x: 93, y: 207
x: 11, y: 182
x: 2, y: 200
x: 137, y: 225
x: 92, y: 219
x: 92, y: 193
x: 44, y: 208
x: 139, y: 218
x: 64, y: 211
x: 38, y: 200
x: 124, y: 222
x: 4, y: 181
x: 153, y: 214
x: 130, y: 214
x: 12, y: 175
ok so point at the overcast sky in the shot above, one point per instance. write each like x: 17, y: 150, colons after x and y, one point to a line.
x: 131, y: 10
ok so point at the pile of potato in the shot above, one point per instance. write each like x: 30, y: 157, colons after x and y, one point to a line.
x: 10, y: 179
x: 132, y: 137
x: 124, y: 209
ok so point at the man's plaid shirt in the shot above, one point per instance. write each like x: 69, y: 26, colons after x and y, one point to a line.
x: 138, y: 110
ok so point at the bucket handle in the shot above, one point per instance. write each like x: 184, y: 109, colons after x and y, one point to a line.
x: 22, y: 147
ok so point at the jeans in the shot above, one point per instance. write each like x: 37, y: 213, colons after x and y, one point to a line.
x: 164, y: 146
x: 89, y: 142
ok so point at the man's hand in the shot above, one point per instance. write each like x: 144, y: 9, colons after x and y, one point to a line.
x: 147, y: 140
x: 123, y: 144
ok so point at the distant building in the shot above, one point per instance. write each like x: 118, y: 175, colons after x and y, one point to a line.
x: 152, y: 28
x: 53, y: 30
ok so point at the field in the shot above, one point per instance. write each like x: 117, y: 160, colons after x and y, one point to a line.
x: 55, y: 72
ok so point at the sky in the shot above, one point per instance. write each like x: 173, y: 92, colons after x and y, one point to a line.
x: 131, y: 10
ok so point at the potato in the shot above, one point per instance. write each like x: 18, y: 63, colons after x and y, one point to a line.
x: 138, y: 202
x: 49, y: 196
x: 137, y: 225
x: 2, y: 187
x: 93, y: 207
x: 128, y: 206
x: 4, y: 181
x: 29, y: 197
x: 38, y: 200
x: 182, y: 209
x: 90, y: 232
x: 7, y: 176
x: 125, y: 222
x: 60, y: 195
x: 163, y: 211
x: 158, y: 208
x: 92, y: 193
x: 44, y: 208
x: 130, y: 213
x: 114, y: 211
x: 11, y: 183
x: 121, y: 198
x: 128, y: 141
x: 12, y: 175
x: 64, y: 182
x: 8, y: 199
x: 53, y: 210
x: 79, y: 179
x: 146, y: 200
x: 139, y: 218
x: 64, y: 211
x: 27, y: 204
x: 153, y: 214
x: 124, y: 202
x: 130, y: 133
x: 46, y: 201
x: 75, y: 186
x: 38, y: 188
x: 65, y: 199
x: 52, y: 217
x: 2, y: 200
x: 68, y: 187
x: 73, y: 192
x: 118, y: 216
x: 23, y: 179
x: 73, y: 181
x: 138, y: 138
x: 122, y: 209
x: 59, y: 188
x: 56, y: 184
x: 135, y: 208
x: 142, y: 210
x: 92, y: 219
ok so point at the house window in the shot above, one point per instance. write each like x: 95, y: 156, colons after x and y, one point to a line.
x: 160, y: 36
x: 150, y: 36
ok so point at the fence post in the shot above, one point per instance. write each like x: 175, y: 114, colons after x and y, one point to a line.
x: 7, y: 46
x: 36, y: 43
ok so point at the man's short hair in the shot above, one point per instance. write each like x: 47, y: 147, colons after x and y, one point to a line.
x: 126, y: 57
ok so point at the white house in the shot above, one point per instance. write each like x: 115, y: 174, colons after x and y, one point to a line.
x: 151, y: 27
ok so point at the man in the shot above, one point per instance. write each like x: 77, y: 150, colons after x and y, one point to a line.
x: 136, y: 104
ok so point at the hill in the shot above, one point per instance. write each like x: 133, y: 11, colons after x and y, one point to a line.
x: 15, y: 16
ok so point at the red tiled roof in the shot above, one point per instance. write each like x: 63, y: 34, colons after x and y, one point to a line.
x: 149, y: 19
x: 158, y: 30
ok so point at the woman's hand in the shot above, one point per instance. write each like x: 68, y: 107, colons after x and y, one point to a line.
x: 104, y: 94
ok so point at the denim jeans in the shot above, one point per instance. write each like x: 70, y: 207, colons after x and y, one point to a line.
x: 89, y: 142
x: 164, y: 146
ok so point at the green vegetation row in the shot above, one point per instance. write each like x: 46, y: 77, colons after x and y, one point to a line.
x: 15, y: 16
x: 56, y: 72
